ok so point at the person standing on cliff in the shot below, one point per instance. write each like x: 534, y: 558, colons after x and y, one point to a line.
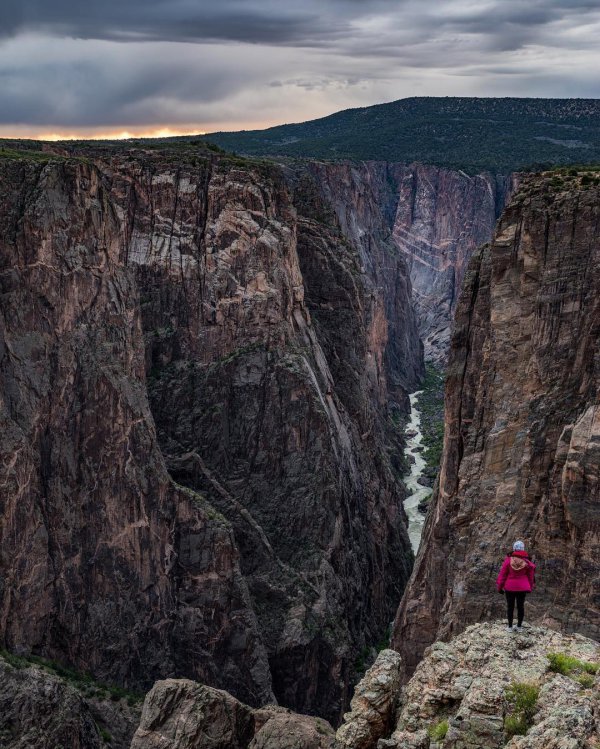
x: 516, y: 579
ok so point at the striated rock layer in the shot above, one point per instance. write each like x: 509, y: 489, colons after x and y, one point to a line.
x: 442, y: 217
x: 432, y: 218
x: 521, y: 456
x: 172, y: 315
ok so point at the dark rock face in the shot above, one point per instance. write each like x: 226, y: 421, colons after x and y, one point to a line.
x: 442, y: 216
x: 105, y: 563
x: 181, y: 714
x: 365, y: 198
x: 39, y: 710
x: 521, y: 455
x: 152, y: 289
x: 432, y: 218
x: 250, y: 411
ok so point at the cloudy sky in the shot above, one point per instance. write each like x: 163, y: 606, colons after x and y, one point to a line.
x: 99, y: 67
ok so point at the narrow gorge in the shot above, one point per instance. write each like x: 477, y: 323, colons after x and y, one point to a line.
x: 220, y: 428
x: 521, y: 452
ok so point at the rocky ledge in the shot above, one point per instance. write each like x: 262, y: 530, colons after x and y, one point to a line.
x: 486, y: 689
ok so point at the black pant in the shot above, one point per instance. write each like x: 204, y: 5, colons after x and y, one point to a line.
x: 519, y: 597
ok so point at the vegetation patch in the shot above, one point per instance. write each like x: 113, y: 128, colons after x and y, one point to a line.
x: 438, y: 731
x: 567, y: 665
x: 105, y: 735
x: 431, y: 406
x: 586, y: 680
x: 498, y: 135
x: 521, y: 699
x: 82, y: 682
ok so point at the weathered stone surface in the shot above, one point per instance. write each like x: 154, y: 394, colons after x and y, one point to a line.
x: 181, y: 714
x: 521, y: 456
x: 464, y: 682
x: 277, y: 728
x: 39, y: 710
x: 373, y: 704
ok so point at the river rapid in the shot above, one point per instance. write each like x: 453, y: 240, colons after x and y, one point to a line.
x: 416, y: 492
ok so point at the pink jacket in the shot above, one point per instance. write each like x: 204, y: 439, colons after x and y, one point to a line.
x: 517, y: 573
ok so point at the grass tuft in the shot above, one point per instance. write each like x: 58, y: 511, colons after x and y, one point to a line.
x: 564, y: 664
x: 522, y: 702
x: 438, y: 731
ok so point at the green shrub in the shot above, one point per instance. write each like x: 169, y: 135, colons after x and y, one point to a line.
x: 522, y: 701
x: 515, y: 726
x: 438, y: 731
x: 564, y: 664
x: 105, y: 735
x: 586, y: 680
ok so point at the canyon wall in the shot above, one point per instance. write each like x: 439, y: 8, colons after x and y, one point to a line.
x: 198, y: 472
x: 442, y: 217
x: 432, y: 218
x: 522, y: 446
x: 105, y: 563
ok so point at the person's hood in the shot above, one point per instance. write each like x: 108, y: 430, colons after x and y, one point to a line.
x: 518, y: 563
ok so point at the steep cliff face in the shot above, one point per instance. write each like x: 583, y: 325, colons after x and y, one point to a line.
x: 365, y: 198
x: 442, y: 216
x: 431, y: 218
x: 522, y: 448
x: 105, y: 562
x: 177, y: 289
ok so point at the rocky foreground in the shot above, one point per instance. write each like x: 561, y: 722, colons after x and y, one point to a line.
x: 458, y: 698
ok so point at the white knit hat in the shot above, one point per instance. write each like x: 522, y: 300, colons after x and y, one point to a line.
x: 518, y: 546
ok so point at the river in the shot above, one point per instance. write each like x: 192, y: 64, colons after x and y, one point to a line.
x: 416, y: 492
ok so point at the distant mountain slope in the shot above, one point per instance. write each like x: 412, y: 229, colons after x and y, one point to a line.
x: 474, y: 134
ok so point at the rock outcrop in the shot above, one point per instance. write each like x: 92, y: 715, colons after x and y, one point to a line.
x: 40, y: 710
x: 196, y: 478
x: 460, y: 693
x: 458, y: 698
x: 522, y: 443
x: 373, y: 706
x: 181, y: 714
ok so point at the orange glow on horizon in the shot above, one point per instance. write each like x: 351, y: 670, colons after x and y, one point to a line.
x: 163, y: 132
x: 158, y: 131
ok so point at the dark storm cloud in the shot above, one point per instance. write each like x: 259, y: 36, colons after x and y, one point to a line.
x: 305, y: 22
x: 71, y: 63
x: 258, y: 21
